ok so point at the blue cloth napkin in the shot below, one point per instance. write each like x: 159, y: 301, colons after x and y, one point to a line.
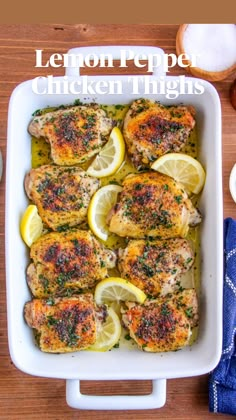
x: 222, y: 380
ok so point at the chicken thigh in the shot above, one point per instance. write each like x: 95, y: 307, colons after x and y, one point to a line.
x: 152, y: 204
x: 67, y: 261
x: 155, y: 267
x: 151, y: 130
x: 65, y: 324
x: 164, y: 324
x: 61, y: 194
x: 75, y: 134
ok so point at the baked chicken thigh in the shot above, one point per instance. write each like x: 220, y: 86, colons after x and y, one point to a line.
x: 61, y: 194
x: 151, y: 130
x: 155, y: 267
x: 65, y: 324
x: 67, y: 261
x: 152, y: 204
x: 163, y: 324
x: 75, y: 134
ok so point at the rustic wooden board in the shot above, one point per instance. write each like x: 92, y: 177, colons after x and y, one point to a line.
x: 26, y: 397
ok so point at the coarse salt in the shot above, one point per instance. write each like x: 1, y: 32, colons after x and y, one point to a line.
x: 214, y: 45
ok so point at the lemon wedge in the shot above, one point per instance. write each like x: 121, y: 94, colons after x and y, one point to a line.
x: 31, y: 225
x: 100, y: 205
x: 184, y: 169
x: 109, y: 334
x: 116, y: 289
x: 110, y: 158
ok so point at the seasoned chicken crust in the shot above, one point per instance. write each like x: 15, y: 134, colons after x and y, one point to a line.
x: 155, y: 266
x: 67, y: 261
x: 61, y: 194
x: 152, y: 129
x: 65, y: 324
x: 75, y: 134
x: 163, y: 324
x: 152, y: 204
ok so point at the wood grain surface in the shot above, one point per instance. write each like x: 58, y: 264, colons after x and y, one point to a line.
x: 26, y: 397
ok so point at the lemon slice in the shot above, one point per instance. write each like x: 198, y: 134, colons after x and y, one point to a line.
x: 100, y: 205
x: 110, y: 158
x: 31, y: 225
x: 109, y: 334
x: 232, y: 182
x: 117, y: 289
x: 183, y: 168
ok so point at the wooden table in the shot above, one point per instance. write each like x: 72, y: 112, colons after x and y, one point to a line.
x: 26, y: 397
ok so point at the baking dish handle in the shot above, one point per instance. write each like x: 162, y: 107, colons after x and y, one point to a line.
x: 77, y: 400
x: 155, y: 53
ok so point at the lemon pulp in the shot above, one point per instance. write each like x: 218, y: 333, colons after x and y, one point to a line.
x: 31, y: 225
x: 110, y: 157
x: 117, y: 289
x: 109, y: 334
x: 183, y: 168
x: 100, y: 205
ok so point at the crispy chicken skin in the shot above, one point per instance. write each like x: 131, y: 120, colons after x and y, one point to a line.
x: 67, y: 261
x: 152, y: 204
x: 155, y: 267
x: 61, y: 194
x: 66, y: 324
x: 151, y: 130
x: 163, y: 324
x: 75, y: 134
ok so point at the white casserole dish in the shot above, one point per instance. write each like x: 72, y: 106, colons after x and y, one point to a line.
x: 118, y: 364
